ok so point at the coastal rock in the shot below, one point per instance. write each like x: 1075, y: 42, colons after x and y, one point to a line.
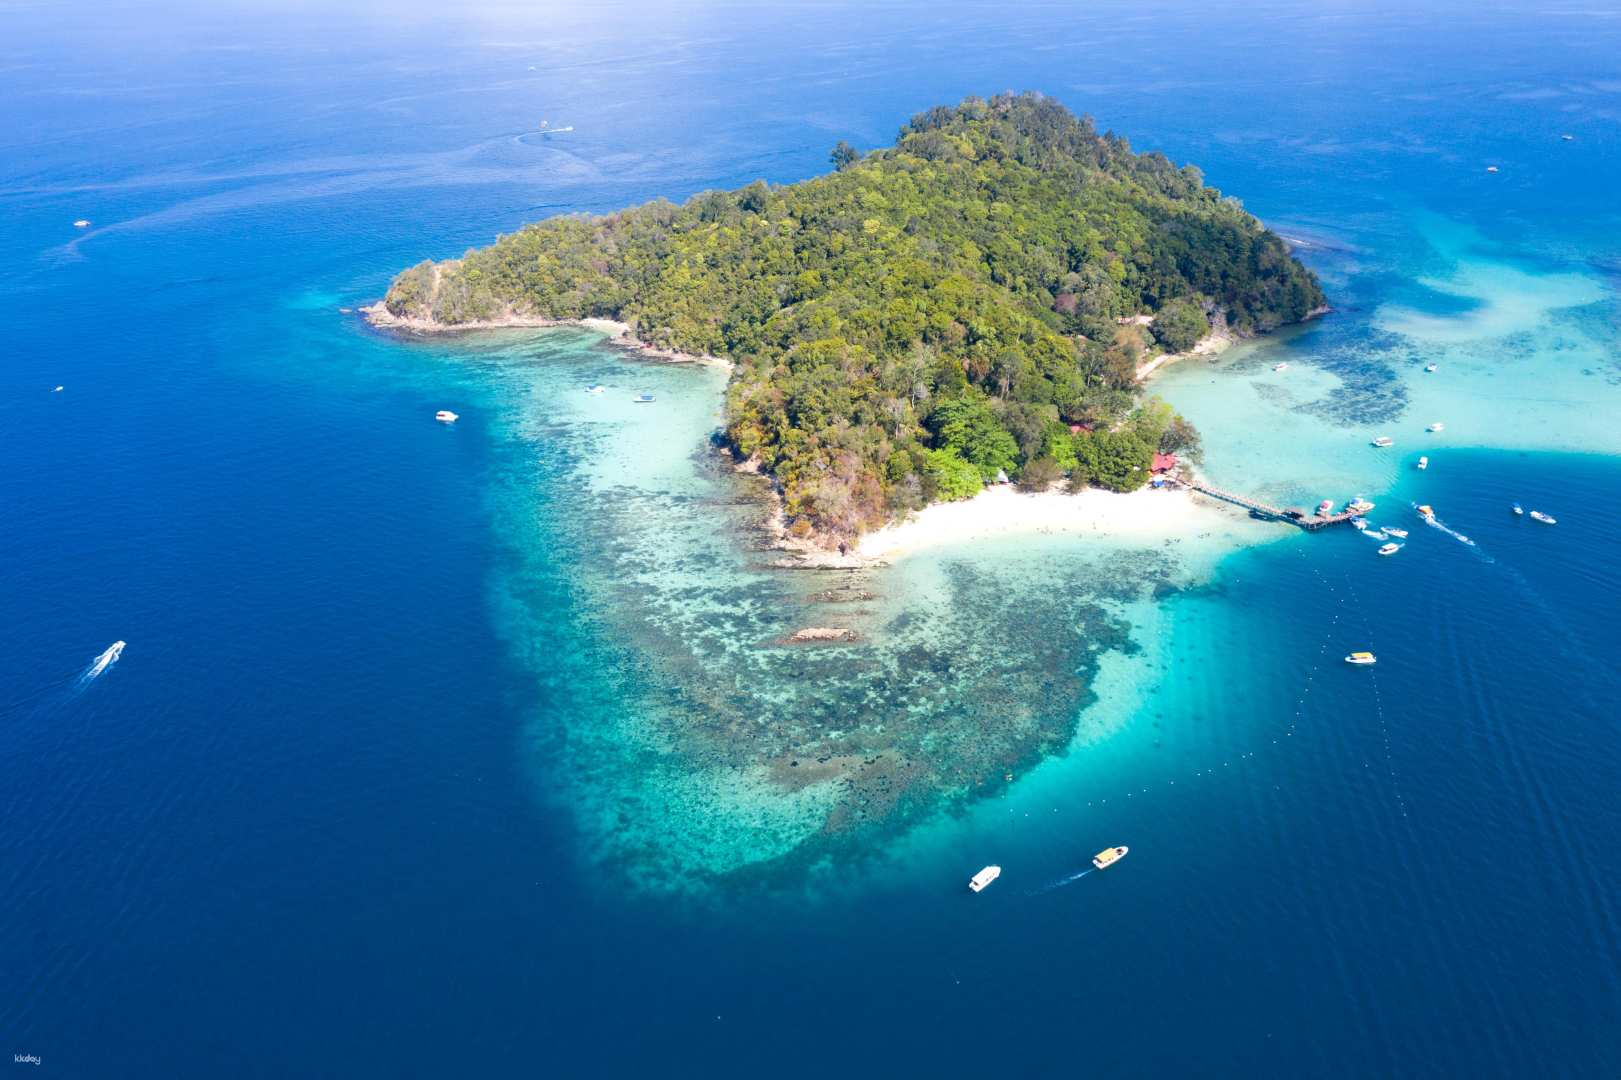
x: 822, y: 633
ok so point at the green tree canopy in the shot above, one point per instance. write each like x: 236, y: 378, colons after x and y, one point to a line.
x: 984, y: 258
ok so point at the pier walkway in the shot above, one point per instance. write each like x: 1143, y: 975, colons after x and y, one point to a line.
x: 1304, y: 519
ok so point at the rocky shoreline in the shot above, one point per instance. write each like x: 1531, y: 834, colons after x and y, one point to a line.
x: 621, y: 334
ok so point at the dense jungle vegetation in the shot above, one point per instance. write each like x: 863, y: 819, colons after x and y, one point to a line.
x: 967, y: 303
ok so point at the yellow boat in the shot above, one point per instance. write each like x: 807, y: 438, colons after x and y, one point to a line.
x: 1361, y: 658
x: 1108, y: 857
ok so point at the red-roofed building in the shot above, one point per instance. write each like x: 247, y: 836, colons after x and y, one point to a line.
x: 1164, y: 463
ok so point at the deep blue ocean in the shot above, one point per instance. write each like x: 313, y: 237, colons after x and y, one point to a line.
x: 341, y: 807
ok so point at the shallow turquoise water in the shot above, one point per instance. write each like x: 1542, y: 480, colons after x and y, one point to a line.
x: 471, y: 748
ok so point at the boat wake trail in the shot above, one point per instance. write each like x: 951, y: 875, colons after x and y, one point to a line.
x: 1060, y: 883
x: 1436, y: 523
x: 54, y: 696
x: 101, y: 663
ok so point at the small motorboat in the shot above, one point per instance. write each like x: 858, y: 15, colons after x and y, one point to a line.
x: 1362, y: 658
x: 1284, y: 366
x: 1423, y: 463
x: 1391, y: 530
x: 978, y: 882
x: 1359, y: 523
x: 1384, y: 441
x: 644, y: 399
x: 82, y: 223
x: 1109, y: 856
x: 1325, y: 508
x: 1491, y: 168
x: 1429, y: 367
x: 1426, y: 512
x: 1359, y: 505
x: 1546, y: 519
x: 1518, y: 509
x: 1437, y: 426
x: 1389, y: 549
x: 56, y: 389
x: 105, y: 660
x: 1374, y: 534
x: 445, y: 416
x: 595, y: 388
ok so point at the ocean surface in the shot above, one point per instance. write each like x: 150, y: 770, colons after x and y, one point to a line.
x: 474, y: 750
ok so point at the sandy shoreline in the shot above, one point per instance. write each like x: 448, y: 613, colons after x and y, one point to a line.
x: 1144, y: 515
x: 618, y: 333
x: 1213, y: 344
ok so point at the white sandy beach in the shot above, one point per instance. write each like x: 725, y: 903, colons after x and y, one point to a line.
x: 1144, y: 515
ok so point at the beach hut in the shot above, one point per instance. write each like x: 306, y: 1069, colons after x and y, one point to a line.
x: 1164, y: 463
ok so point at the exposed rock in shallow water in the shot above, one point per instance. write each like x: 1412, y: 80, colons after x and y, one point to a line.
x: 823, y: 633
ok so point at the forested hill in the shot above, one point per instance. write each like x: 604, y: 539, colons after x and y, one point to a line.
x: 923, y: 317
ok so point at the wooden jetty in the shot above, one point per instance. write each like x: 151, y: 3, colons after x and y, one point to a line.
x: 1304, y: 519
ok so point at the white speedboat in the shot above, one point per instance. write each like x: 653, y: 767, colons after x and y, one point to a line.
x: 445, y: 416
x: 1384, y: 441
x: 644, y: 399
x: 1359, y: 524
x: 107, y: 658
x: 1281, y: 367
x: 1546, y: 519
x: 82, y: 223
x: 1374, y: 534
x: 1423, y: 463
x: 978, y: 882
x: 1361, y: 658
x: 56, y: 389
x: 1491, y: 168
x: 1437, y: 426
x: 1109, y: 856
x: 595, y: 388
x: 1400, y: 534
x: 1518, y: 509
x: 1389, y: 549
x: 1429, y: 367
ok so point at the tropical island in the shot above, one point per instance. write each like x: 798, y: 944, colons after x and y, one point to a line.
x: 972, y: 304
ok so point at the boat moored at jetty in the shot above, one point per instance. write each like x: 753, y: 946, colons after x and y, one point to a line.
x: 1359, y: 505
x: 1362, y: 659
x: 984, y: 878
x: 1325, y: 508
x: 445, y: 416
x: 1109, y: 856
